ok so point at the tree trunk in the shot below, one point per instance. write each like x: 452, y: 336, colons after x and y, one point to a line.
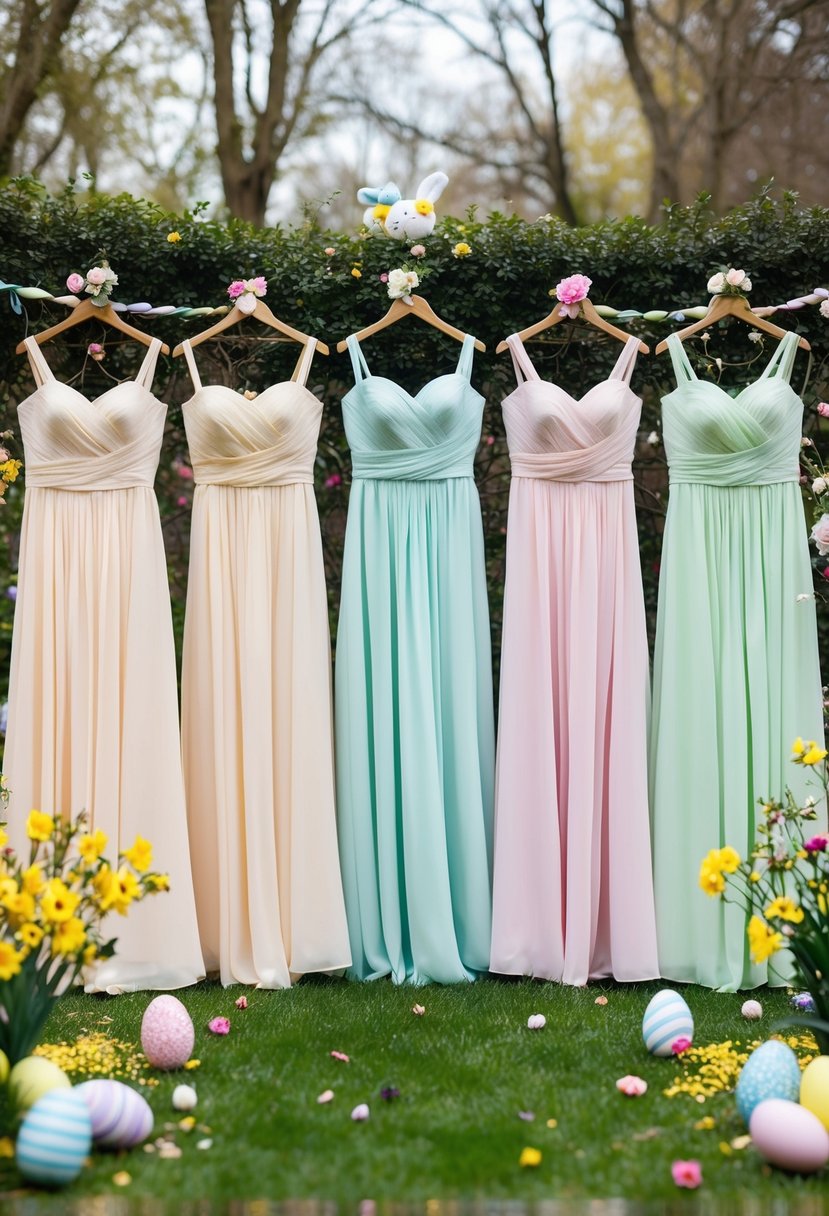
x: 38, y: 45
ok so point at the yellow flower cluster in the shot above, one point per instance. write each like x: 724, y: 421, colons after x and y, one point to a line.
x: 714, y: 866
x: 97, y: 1055
x: 714, y: 1068
x: 808, y: 753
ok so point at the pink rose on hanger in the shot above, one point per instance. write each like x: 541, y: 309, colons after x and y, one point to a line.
x: 571, y: 291
x: 75, y: 283
x: 820, y: 535
x: 236, y: 289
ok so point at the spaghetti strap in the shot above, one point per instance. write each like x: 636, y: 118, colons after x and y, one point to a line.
x: 147, y: 368
x: 521, y: 361
x: 623, y: 368
x: 191, y: 363
x: 464, y: 367
x: 40, y: 368
x: 303, y: 367
x: 681, y: 363
x: 358, y: 359
x: 782, y: 361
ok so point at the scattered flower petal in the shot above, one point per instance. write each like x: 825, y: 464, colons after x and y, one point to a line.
x: 122, y: 1178
x: 389, y: 1092
x: 687, y: 1174
x: 191, y: 1064
x: 650, y: 1133
x: 241, y: 1002
x: 526, y: 1115
x: 804, y: 1001
x: 339, y: 1055
x: 6, y: 1147
x: 705, y: 1124
x: 219, y: 1025
x: 552, y: 1123
x: 360, y: 1113
x: 725, y: 1149
x: 680, y: 1045
x: 529, y: 1157
x: 187, y: 1123
x: 740, y: 1142
x: 418, y: 1010
x: 168, y: 1150
x: 600, y: 1000
x: 632, y: 1087
x: 204, y: 1144
x: 536, y: 1021
x: 327, y: 1095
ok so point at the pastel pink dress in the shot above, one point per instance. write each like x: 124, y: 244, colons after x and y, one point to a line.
x: 573, y: 892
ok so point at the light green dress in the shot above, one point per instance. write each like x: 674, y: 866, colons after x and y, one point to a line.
x: 736, y: 673
x: 415, y: 742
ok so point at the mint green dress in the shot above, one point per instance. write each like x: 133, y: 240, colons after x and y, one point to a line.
x: 413, y: 683
x: 736, y: 672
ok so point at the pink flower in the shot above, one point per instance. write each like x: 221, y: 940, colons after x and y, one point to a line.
x: 181, y: 501
x: 75, y: 284
x: 329, y: 252
x: 219, y: 1025
x: 418, y: 1010
x: 94, y: 348
x: 818, y: 844
x: 632, y: 1087
x: 184, y: 471
x: 332, y: 481
x: 820, y: 534
x: 417, y: 251
x: 384, y: 278
x: 339, y: 1055
x: 822, y: 409
x: 236, y: 289
x: 360, y: 1113
x: 680, y: 1045
x: 687, y: 1174
x: 241, y: 1002
x: 259, y: 285
x: 573, y: 289
x: 600, y: 1000
x: 825, y: 572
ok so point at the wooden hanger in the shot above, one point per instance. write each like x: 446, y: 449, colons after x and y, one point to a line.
x: 260, y: 313
x: 87, y: 311
x: 589, y: 314
x: 411, y: 306
x: 731, y: 306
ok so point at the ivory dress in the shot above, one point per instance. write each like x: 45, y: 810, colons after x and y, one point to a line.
x: 736, y: 672
x: 414, y: 712
x: 573, y: 893
x: 256, y: 688
x: 93, y: 706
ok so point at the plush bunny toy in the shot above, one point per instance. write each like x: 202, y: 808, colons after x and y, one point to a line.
x: 380, y: 199
x: 410, y: 219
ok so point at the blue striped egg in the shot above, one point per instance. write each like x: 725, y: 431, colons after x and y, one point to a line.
x: 667, y: 1018
x: 771, y: 1071
x: 121, y: 1117
x: 54, y: 1138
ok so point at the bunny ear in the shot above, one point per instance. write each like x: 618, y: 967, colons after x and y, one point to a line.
x: 368, y: 194
x: 433, y: 186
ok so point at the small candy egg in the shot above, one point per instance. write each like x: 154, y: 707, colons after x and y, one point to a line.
x: 789, y: 1136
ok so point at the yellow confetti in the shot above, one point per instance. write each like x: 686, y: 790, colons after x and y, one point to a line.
x: 529, y: 1157
x: 99, y: 1055
x: 187, y: 1123
x: 191, y: 1064
x: 705, y: 1124
x: 725, y: 1148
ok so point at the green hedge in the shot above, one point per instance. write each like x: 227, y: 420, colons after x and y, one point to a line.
x: 500, y: 287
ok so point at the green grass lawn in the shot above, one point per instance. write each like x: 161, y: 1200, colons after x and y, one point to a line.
x: 464, y: 1071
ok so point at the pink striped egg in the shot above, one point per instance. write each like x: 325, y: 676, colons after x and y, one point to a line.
x: 121, y: 1117
x: 167, y: 1034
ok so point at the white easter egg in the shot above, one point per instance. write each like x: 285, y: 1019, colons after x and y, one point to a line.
x: 121, y: 1117
x: 789, y: 1136
x: 167, y: 1033
x: 771, y: 1071
x: 667, y: 1018
x: 752, y: 1010
x: 54, y: 1138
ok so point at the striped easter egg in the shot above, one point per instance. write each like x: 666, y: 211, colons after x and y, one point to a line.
x: 121, y: 1117
x: 667, y: 1018
x: 54, y: 1138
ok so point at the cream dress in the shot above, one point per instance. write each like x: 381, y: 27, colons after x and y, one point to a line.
x: 93, y: 709
x: 256, y: 688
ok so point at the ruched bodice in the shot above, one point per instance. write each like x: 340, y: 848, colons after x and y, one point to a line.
x: 394, y: 435
x: 751, y: 438
x: 110, y: 443
x: 554, y: 436
x: 270, y: 440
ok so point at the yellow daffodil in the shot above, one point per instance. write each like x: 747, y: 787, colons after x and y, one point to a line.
x: 710, y: 874
x: 103, y: 884
x: 140, y: 855
x: 39, y: 826
x: 754, y: 876
x: 58, y: 903
x: 159, y: 882
x: 798, y: 747
x: 33, y: 880
x: 92, y: 845
x: 30, y: 935
x: 68, y: 937
x: 784, y: 908
x: 4, y: 838
x: 764, y: 942
x: 10, y: 960
x: 20, y: 907
x: 729, y: 859
x: 814, y: 755
x: 125, y: 889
